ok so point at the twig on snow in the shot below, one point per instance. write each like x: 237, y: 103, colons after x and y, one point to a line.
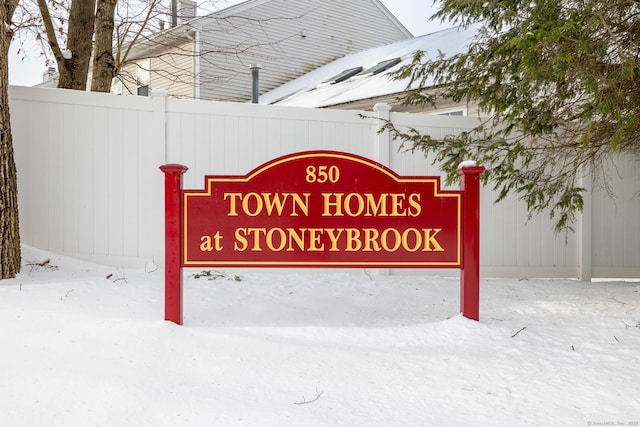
x: 66, y: 295
x: 44, y: 264
x: 305, y: 401
x: 123, y: 278
x: 521, y: 329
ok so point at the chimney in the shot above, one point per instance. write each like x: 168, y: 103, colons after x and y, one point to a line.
x: 255, y: 83
x: 187, y: 10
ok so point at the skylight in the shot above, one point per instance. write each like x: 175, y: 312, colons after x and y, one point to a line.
x: 381, y: 66
x: 344, y: 75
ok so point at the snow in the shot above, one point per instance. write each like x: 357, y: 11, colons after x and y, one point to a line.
x: 67, y: 54
x: 467, y: 163
x: 85, y: 344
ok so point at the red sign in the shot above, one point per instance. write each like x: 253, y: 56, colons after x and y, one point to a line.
x: 322, y: 209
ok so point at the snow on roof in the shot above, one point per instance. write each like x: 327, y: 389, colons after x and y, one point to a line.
x: 313, y: 90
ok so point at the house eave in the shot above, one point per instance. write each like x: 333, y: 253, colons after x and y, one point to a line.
x: 393, y: 99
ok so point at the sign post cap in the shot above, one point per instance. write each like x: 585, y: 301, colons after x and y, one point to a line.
x: 470, y: 167
x: 173, y: 168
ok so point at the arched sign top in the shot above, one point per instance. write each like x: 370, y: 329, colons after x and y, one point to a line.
x: 310, y: 155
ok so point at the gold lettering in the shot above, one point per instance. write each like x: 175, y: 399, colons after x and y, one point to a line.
x: 302, y: 204
x: 371, y: 243
x: 353, y: 240
x: 417, y: 239
x: 341, y: 239
x: 258, y: 204
x: 414, y: 202
x: 315, y: 239
x: 241, y: 242
x: 384, y: 240
x: 334, y: 238
x: 379, y: 208
x: 254, y: 204
x: 397, y: 204
x: 337, y: 204
x: 232, y: 204
x: 359, y: 202
x: 270, y: 202
x: 369, y: 204
x: 298, y: 238
x: 283, y: 239
x: 206, y: 244
x: 278, y: 201
x: 256, y: 238
x: 243, y: 236
x: 430, y: 240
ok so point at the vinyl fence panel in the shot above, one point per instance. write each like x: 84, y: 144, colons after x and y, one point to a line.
x: 90, y: 187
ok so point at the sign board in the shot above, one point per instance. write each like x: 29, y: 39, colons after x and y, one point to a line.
x: 314, y: 209
x: 322, y: 210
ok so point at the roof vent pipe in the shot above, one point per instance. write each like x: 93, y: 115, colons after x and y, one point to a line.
x: 174, y: 13
x: 255, y: 83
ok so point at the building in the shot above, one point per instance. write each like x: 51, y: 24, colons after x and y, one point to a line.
x: 209, y: 57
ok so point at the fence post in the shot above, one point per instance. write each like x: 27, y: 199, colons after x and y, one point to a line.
x: 383, y: 139
x: 470, y: 272
x: 584, y: 231
x: 173, y: 242
x: 382, y: 145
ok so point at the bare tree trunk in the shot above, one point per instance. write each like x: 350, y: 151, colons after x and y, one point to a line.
x: 73, y: 64
x: 10, y: 256
x: 103, y: 61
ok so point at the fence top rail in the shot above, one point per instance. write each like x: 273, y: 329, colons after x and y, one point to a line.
x: 80, y: 98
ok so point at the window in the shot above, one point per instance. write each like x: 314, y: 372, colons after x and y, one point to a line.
x: 454, y: 111
x: 116, y: 86
x: 143, y: 77
x: 143, y: 90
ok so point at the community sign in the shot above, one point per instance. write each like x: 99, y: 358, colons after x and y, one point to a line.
x: 315, y: 209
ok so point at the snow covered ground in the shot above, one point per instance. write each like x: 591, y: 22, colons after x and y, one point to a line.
x: 85, y: 345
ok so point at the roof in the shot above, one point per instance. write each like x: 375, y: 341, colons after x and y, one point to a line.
x: 316, y: 89
x: 242, y: 6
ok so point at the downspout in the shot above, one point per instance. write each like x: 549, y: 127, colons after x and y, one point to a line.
x: 194, y: 35
x: 196, y: 65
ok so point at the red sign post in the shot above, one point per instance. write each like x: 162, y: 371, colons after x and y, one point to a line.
x: 321, y: 209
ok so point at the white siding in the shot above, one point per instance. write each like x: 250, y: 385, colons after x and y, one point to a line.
x: 173, y: 71
x: 288, y: 39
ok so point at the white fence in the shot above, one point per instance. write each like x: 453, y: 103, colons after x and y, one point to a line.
x: 90, y: 187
